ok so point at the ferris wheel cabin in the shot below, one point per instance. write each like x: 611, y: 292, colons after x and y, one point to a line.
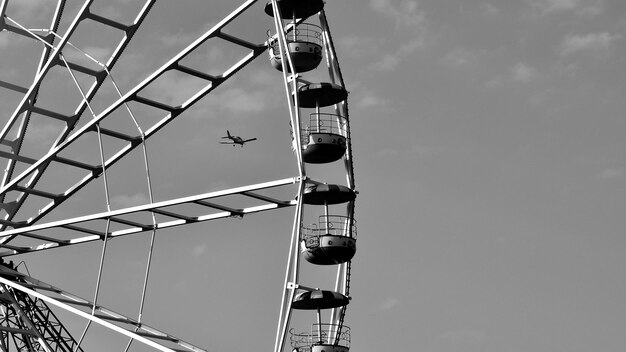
x: 305, y: 48
x: 324, y: 138
x: 333, y: 240
x: 304, y: 41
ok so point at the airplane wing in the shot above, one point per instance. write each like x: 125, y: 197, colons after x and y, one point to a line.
x: 249, y: 140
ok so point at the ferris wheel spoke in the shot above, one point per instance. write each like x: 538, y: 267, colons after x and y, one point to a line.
x: 175, y: 212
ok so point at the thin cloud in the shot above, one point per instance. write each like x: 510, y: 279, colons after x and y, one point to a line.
x: 612, y: 173
x: 199, y: 250
x: 29, y: 8
x: 387, y: 152
x: 405, y: 14
x: 4, y: 41
x: 579, y: 7
x: 87, y: 54
x: 178, y: 38
x: 365, y: 98
x: 489, y: 9
x: 389, y: 303
x: 42, y: 132
x: 519, y: 73
x: 594, y: 44
x: 524, y: 73
x: 390, y: 62
x: 358, y: 47
x: 369, y: 100
x: 237, y: 100
x: 126, y: 201
x: 460, y: 57
x: 463, y: 335
x: 175, y: 89
x: 410, y: 21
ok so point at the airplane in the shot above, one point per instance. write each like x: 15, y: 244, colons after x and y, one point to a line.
x: 236, y: 139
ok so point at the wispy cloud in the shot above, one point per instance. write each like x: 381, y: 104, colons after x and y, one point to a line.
x: 390, y: 61
x: 369, y: 100
x: 4, y: 41
x: 387, y: 152
x: 87, y: 55
x: 37, y: 133
x: 126, y: 201
x: 237, y: 100
x: 489, y: 9
x: 463, y: 335
x: 358, y: 47
x: 405, y: 14
x: 366, y: 98
x: 199, y: 250
x: 612, y: 173
x: 594, y: 44
x: 29, y: 8
x: 579, y: 7
x: 460, y: 57
x: 389, y: 303
x: 410, y: 22
x: 175, y: 39
x: 174, y: 89
x: 524, y: 73
x: 519, y: 73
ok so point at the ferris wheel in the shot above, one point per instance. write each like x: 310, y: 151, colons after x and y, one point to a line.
x: 94, y: 125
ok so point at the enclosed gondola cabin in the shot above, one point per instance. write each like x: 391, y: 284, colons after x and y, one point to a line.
x: 334, y: 241
x: 324, y: 139
x: 305, y: 48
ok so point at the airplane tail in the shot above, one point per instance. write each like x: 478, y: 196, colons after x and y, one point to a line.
x: 228, y: 133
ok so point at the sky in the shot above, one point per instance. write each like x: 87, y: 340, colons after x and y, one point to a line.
x: 489, y: 160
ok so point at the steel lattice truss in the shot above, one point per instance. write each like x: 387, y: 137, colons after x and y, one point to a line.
x: 28, y: 318
x: 28, y: 323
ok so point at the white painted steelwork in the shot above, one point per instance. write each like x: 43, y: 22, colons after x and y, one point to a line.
x: 294, y: 82
x: 76, y: 228
x: 23, y: 232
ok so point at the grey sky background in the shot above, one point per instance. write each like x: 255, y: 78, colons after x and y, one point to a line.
x: 489, y: 160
